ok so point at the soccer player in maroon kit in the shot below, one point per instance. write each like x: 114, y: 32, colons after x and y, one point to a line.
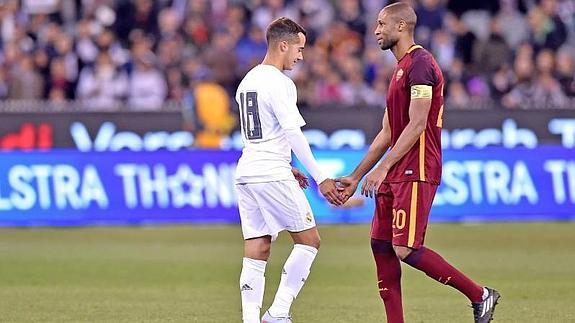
x: 405, y: 181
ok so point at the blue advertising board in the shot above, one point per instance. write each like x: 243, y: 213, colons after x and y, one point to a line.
x: 490, y: 184
x: 68, y: 188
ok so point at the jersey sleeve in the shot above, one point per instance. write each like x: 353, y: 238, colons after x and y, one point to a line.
x: 284, y: 104
x: 422, y: 71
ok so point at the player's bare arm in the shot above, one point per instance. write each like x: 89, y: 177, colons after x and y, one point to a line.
x: 376, y: 150
x: 418, y: 112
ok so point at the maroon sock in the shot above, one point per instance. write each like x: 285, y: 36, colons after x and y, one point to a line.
x: 437, y: 268
x: 389, y: 279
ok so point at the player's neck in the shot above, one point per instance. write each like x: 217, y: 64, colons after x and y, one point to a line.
x: 401, y: 48
x: 273, y: 61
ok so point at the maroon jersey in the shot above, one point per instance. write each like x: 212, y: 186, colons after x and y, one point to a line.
x: 423, y: 161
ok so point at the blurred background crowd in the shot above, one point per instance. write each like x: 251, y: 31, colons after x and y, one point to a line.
x: 510, y: 54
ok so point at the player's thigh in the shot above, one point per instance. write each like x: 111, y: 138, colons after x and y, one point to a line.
x: 284, y: 206
x: 251, y: 218
x: 381, y: 222
x: 410, y: 214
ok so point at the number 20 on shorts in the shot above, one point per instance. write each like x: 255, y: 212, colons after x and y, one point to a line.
x: 398, y: 221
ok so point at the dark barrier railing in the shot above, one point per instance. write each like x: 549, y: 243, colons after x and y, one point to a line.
x: 327, y: 128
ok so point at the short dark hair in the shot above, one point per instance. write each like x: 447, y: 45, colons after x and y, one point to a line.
x: 283, y: 29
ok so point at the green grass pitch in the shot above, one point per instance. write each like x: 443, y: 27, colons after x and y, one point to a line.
x: 190, y: 273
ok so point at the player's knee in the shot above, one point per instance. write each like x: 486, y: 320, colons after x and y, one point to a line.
x: 309, y: 238
x: 381, y: 246
x: 265, y: 250
x: 402, y: 252
x: 259, y: 249
x: 315, y: 242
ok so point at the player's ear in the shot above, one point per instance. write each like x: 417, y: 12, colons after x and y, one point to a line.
x: 401, y: 25
x: 284, y: 46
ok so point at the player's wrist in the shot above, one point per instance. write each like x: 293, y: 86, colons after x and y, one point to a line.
x: 384, y: 167
x: 321, y: 179
x: 355, y: 176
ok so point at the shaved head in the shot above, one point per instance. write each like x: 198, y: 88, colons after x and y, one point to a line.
x: 395, y: 25
x: 401, y: 11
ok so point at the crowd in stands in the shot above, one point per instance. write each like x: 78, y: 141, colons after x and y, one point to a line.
x: 514, y: 54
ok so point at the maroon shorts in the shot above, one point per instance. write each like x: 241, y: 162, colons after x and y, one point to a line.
x: 401, y: 213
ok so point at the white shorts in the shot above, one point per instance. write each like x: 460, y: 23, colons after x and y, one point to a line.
x: 271, y: 207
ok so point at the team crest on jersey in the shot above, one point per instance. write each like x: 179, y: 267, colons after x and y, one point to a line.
x: 399, y: 74
x: 308, y: 217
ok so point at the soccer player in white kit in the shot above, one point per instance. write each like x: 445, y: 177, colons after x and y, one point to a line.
x: 270, y: 196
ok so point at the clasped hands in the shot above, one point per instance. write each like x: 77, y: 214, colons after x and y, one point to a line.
x: 338, y: 191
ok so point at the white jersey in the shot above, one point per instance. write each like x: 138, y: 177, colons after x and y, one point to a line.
x: 267, y: 102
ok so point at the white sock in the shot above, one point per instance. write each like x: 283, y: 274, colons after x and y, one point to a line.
x: 252, y: 284
x: 485, y: 293
x: 294, y: 274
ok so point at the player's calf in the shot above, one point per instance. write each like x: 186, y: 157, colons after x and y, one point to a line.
x: 252, y: 285
x: 294, y: 275
x: 388, y: 279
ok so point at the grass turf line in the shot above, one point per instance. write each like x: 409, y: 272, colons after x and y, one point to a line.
x: 190, y: 274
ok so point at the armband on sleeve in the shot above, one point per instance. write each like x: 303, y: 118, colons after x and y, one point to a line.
x: 421, y: 92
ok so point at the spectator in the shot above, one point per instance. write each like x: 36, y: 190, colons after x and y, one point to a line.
x: 522, y: 90
x: 443, y: 48
x: 464, y: 39
x: 502, y: 81
x: 25, y: 83
x: 547, y: 92
x: 64, y: 49
x: 546, y: 31
x: 490, y: 54
x: 565, y: 70
x: 250, y: 49
x: 221, y: 59
x: 85, y: 44
x: 487, y: 49
x: 176, y: 84
x: 458, y: 97
x: 430, y: 15
x: 512, y: 22
x: 102, y: 86
x: 147, y: 89
x: 3, y: 84
x: 350, y: 12
x: 58, y: 78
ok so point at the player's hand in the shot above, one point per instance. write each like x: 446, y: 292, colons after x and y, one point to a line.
x: 329, y: 190
x: 346, y: 186
x: 300, y: 178
x: 373, y: 181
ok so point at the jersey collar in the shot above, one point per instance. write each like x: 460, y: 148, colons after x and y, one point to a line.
x: 411, y: 49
